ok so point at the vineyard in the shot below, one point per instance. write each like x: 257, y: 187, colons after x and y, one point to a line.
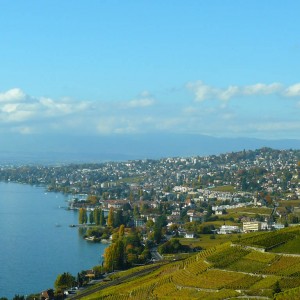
x: 227, y: 271
x: 273, y: 240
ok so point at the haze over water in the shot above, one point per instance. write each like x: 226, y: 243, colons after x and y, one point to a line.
x: 36, y: 242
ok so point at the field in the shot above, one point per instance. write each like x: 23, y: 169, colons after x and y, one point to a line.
x: 224, y: 271
x: 205, y: 241
x: 250, y: 211
x: 224, y: 188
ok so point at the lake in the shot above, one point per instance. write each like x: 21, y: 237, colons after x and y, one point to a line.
x: 36, y: 242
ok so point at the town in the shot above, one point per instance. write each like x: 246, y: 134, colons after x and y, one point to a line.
x: 186, y: 191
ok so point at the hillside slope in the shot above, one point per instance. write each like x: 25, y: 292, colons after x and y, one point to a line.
x: 227, y: 271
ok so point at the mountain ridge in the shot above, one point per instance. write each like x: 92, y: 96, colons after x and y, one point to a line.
x: 67, y: 149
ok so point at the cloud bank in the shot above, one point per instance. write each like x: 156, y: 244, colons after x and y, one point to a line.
x: 256, y: 110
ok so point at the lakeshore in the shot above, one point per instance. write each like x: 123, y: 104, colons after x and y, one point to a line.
x: 36, y: 239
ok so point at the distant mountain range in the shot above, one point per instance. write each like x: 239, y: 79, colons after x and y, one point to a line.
x: 75, y: 149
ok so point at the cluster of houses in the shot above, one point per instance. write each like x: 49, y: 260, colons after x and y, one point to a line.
x: 193, y: 215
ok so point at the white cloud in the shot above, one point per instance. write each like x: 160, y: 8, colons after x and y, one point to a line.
x: 28, y: 114
x: 204, y: 92
x: 145, y: 100
x: 262, y: 89
x: 12, y: 95
x: 65, y: 106
x: 201, y: 90
x: 292, y: 91
x: 9, y: 108
x: 140, y: 102
x: 228, y: 93
x: 19, y: 116
x: 13, y: 105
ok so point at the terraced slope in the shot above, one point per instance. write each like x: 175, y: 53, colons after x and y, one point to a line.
x: 228, y: 271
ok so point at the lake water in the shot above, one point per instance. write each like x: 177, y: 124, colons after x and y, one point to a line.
x: 36, y: 242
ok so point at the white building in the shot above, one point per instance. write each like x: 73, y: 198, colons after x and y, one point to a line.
x: 227, y: 229
x: 251, y: 226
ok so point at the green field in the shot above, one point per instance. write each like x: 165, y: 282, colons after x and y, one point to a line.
x: 224, y: 188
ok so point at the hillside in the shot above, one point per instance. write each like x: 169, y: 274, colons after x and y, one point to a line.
x: 227, y: 271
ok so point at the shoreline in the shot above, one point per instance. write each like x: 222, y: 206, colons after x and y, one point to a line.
x: 18, y: 221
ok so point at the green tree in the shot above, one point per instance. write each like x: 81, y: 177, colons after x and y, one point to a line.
x: 92, y: 199
x: 91, y: 217
x: 118, y: 218
x: 149, y: 224
x: 102, y: 219
x: 79, y: 280
x: 121, y: 231
x: 157, y: 234
x: 110, y: 257
x: 276, y: 288
x: 98, y: 271
x: 119, y: 255
x: 82, y: 216
x: 64, y: 281
x: 136, y: 212
x: 110, y: 219
x: 96, y: 214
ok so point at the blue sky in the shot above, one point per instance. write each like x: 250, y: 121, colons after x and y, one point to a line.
x: 108, y: 68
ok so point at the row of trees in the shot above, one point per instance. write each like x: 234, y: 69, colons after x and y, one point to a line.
x: 114, y: 219
x: 95, y: 217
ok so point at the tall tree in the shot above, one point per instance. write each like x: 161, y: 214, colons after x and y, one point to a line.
x: 97, y: 216
x: 82, y: 217
x: 114, y: 256
x: 136, y: 212
x: 91, y: 217
x: 118, y: 218
x: 102, y: 219
x: 110, y: 219
x: 157, y: 234
x: 121, y: 231
x: 108, y: 258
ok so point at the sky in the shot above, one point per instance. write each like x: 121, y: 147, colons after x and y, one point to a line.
x: 115, y: 68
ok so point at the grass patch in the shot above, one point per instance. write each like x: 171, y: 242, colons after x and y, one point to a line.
x: 205, y: 241
x: 251, y: 210
x: 224, y: 188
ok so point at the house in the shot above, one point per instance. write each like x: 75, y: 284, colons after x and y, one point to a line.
x: 139, y: 222
x: 219, y: 212
x: 189, y: 235
x: 197, y: 217
x: 190, y: 212
x: 90, y: 274
x: 278, y: 226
